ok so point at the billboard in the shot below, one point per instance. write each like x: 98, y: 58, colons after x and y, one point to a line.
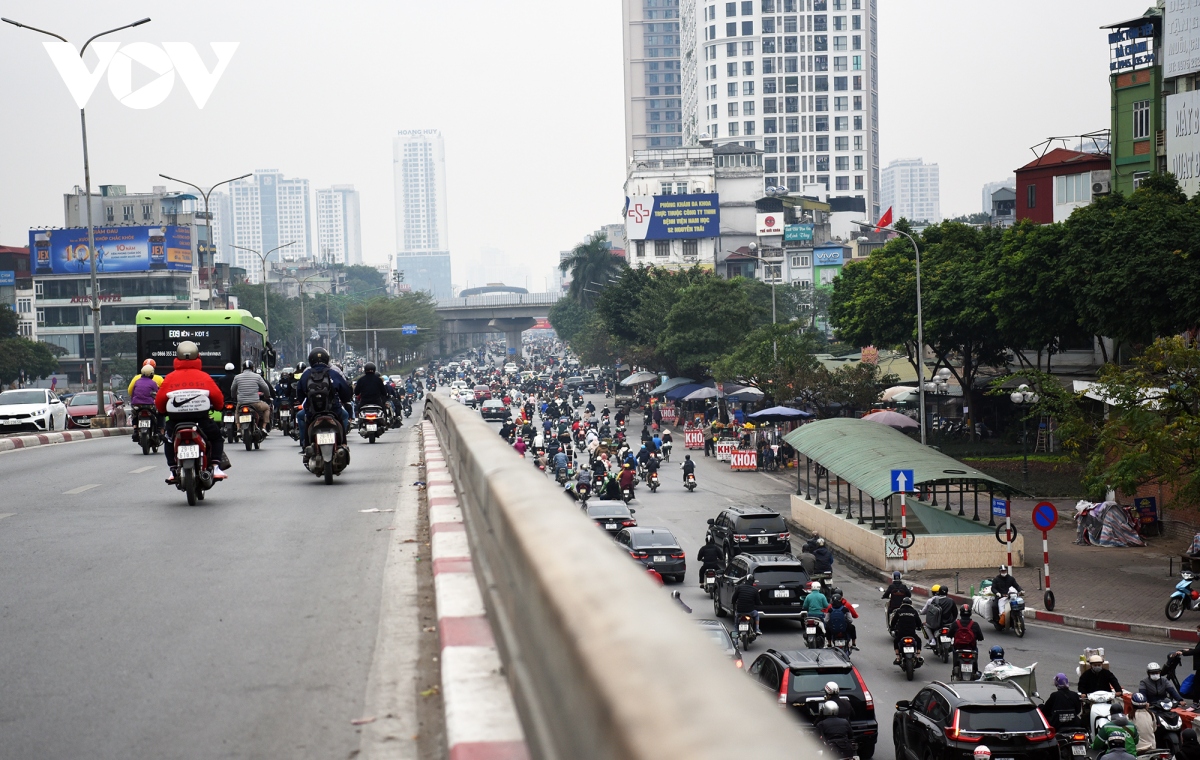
x: 672, y: 217
x: 827, y: 257
x: 1181, y: 38
x: 8, y: 277
x: 1131, y: 48
x: 770, y: 223
x: 798, y: 232
x: 118, y: 249
x: 1183, y: 139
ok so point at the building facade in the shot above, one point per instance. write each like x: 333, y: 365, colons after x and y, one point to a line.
x: 911, y: 188
x: 269, y: 211
x: 1136, y: 82
x: 654, y: 116
x: 660, y: 179
x: 1051, y: 187
x: 339, y: 226
x: 992, y: 187
x: 797, y: 79
x: 422, y: 222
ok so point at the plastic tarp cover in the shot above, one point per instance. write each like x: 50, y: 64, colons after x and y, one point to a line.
x: 1107, y: 524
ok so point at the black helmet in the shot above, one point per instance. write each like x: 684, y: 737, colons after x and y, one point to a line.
x: 965, y: 612
x: 248, y: 364
x: 187, y: 350
x: 318, y: 356
x: 300, y: 368
x: 369, y: 368
x: 944, y: 591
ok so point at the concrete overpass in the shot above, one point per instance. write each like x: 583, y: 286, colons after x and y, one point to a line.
x: 508, y: 313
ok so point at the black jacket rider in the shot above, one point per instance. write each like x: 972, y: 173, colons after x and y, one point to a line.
x: 370, y: 390
x: 1062, y: 709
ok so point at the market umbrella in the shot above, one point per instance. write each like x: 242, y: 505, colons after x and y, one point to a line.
x: 701, y: 393
x: 639, y: 377
x: 682, y: 391
x: 746, y: 394
x: 906, y: 398
x: 778, y: 414
x: 671, y: 384
x: 892, y: 420
x: 896, y: 390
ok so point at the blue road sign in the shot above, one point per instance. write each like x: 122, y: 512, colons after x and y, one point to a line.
x: 1045, y: 516
x: 902, y: 481
x: 999, y: 507
x: 408, y: 329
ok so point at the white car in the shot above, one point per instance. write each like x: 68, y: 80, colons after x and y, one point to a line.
x: 36, y: 409
x: 510, y: 369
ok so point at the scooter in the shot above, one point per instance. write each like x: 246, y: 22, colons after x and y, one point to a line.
x: 584, y: 492
x: 327, y: 453
x: 1184, y: 597
x: 943, y: 644
x: 814, y: 632
x: 149, y: 435
x: 626, y: 495
x: 250, y: 431
x: 1099, y: 708
x: 371, y: 423
x: 194, y: 469
x: 710, y: 581
x: 690, y: 482
x: 1072, y: 744
x: 1014, y: 619
x: 1168, y: 726
x: 652, y: 481
x: 745, y: 631
x: 229, y: 420
x: 966, y: 665
x: 910, y: 656
x: 286, y: 421
x: 666, y: 451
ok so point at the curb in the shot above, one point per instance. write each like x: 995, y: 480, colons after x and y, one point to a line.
x: 481, y: 718
x: 1051, y: 618
x: 67, y: 436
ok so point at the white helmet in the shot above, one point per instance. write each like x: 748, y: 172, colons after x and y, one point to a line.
x: 829, y: 708
x: 982, y: 753
x: 832, y: 690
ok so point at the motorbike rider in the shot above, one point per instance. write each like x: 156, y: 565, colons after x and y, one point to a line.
x: 824, y: 557
x: 626, y: 478
x: 1097, y: 678
x: 1156, y: 688
x: 745, y: 602
x: 561, y: 462
x: 837, y: 620
x: 810, y: 545
x: 370, y: 390
x: 938, y: 611
x: 285, y: 389
x: 905, y: 622
x: 833, y: 693
x: 895, y: 593
x: 339, y: 396
x: 836, y: 731
x: 1119, y: 729
x: 1144, y: 723
x: 651, y: 466
x: 1001, y: 585
x: 688, y: 467
x: 710, y: 558
x: 246, y: 388
x: 996, y: 660
x: 1117, y: 746
x: 142, y: 391
x: 815, y: 601
x: 965, y: 633
x: 1062, y: 708
x: 188, y: 375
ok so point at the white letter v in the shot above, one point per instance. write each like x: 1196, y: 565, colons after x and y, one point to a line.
x: 198, y: 80
x: 74, y: 72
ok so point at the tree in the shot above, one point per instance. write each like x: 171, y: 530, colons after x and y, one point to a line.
x: 978, y: 217
x: 361, y: 278
x: 777, y: 359
x: 874, y: 301
x: 592, y: 266
x: 707, y: 321
x: 20, y: 354
x: 568, y: 318
x: 9, y: 322
x: 389, y: 314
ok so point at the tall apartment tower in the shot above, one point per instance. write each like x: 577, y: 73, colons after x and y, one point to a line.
x: 796, y: 79
x: 911, y: 188
x: 422, y: 228
x: 269, y: 211
x: 339, y: 226
x: 654, y: 116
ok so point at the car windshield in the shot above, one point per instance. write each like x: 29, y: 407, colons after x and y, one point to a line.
x: 642, y: 540
x: 813, y: 681
x: 721, y: 637
x: 780, y: 574
x: 8, y: 398
x: 1000, y: 719
x: 760, y: 524
x: 607, y: 511
x: 89, y: 399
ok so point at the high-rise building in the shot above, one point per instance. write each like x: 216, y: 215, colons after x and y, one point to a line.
x: 269, y: 211
x: 422, y: 226
x: 796, y: 79
x: 654, y: 116
x: 911, y: 189
x: 221, y: 208
x: 339, y: 227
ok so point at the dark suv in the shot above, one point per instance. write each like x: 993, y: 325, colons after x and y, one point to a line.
x: 798, y: 680
x: 950, y: 721
x: 780, y: 579
x: 657, y: 548
x: 750, y: 530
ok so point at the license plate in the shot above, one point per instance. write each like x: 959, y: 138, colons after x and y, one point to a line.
x: 1078, y: 749
x: 372, y: 428
x: 244, y: 418
x: 143, y: 423
x: 944, y: 639
x: 743, y: 626
x: 840, y: 643
x: 610, y: 526
x: 812, y: 629
x: 784, y: 593
x: 12, y: 422
x: 660, y: 558
x: 969, y: 667
x: 909, y: 650
x: 326, y: 439
x: 187, y: 452
x: 283, y: 413
x: 763, y: 539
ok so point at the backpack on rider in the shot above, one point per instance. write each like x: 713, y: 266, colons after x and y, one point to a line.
x: 320, y: 391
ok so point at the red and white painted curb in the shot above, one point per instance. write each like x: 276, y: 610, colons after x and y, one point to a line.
x: 66, y: 436
x: 481, y: 719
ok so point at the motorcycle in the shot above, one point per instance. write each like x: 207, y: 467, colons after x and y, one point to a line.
x: 251, y: 432
x: 745, y: 631
x: 666, y: 451
x: 1168, y: 725
x: 371, y: 423
x: 327, y: 453
x: 652, y: 481
x: 584, y: 492
x: 943, y: 644
x: 710, y: 581
x: 690, y: 482
x: 560, y: 474
x: 839, y: 640
x: 1072, y: 743
x: 194, y: 469
x: 1014, y: 619
x: 966, y: 664
x: 229, y: 420
x: 626, y: 495
x: 287, y: 423
x: 814, y: 632
x: 1184, y: 597
x: 910, y: 656
x: 407, y: 406
x: 1099, y: 709
x: 149, y: 435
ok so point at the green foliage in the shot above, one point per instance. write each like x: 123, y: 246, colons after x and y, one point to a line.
x: 392, y: 312
x: 17, y: 354
x: 977, y: 218
x: 707, y: 320
x: 874, y: 301
x: 8, y: 322
x: 776, y: 359
x: 568, y: 318
x: 592, y: 266
x: 361, y: 279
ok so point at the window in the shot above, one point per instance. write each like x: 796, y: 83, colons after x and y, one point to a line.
x: 769, y: 85
x: 793, y: 164
x: 1141, y: 119
x: 748, y: 128
x: 127, y: 213
x: 858, y: 142
x: 1139, y: 178
x: 768, y: 45
x: 748, y: 108
x: 858, y: 163
x: 791, y: 105
x: 733, y: 109
x: 789, y: 24
x: 640, y: 248
x: 747, y: 48
x: 793, y: 144
x: 24, y: 305
x: 730, y: 9
x: 840, y: 84
x: 793, y: 124
x: 747, y: 88
x: 731, y: 50
x: 666, y: 188
x: 768, y: 6
x: 768, y: 26
x: 821, y: 84
x: 823, y: 164
x: 842, y: 183
x: 820, y: 43
x: 731, y: 90
x: 822, y: 143
x: 820, y: 63
x: 857, y: 83
x: 858, y: 102
x: 858, y: 181
x: 839, y: 63
x: 747, y: 28
x: 1031, y: 196
x: 731, y: 29
x: 841, y: 143
x: 731, y: 69
x: 768, y: 65
x: 841, y: 104
x: 1074, y: 188
x: 858, y: 123
x: 822, y: 124
x: 790, y: 46
x: 771, y: 165
x: 771, y: 145
x: 747, y: 7
x: 799, y: 261
x: 733, y: 129
x: 841, y: 164
x: 791, y: 84
x: 662, y: 248
x: 25, y: 330
x: 769, y: 105
x: 820, y: 23
x: 789, y: 65
x: 108, y: 213
x: 769, y: 126
x: 41, y: 316
x: 147, y: 211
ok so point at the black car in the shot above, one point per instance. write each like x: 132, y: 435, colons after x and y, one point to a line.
x: 494, y: 409
x: 780, y: 579
x: 949, y: 721
x: 657, y: 548
x: 798, y: 679
x: 723, y: 639
x: 612, y: 516
x: 750, y: 530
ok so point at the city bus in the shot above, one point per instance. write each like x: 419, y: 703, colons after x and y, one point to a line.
x: 224, y: 336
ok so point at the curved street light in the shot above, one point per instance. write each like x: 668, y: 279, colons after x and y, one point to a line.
x: 207, y: 216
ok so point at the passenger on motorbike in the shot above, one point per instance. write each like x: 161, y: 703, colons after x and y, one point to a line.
x: 709, y: 557
x: 182, y: 386
x: 1096, y: 678
x: 626, y: 478
x: 245, y: 390
x: 1144, y: 723
x: 939, y: 610
x: 142, y: 391
x: 340, y: 397
x: 815, y: 602
x: 833, y: 693
x: 745, y: 602
x: 1155, y: 687
x: 1062, y: 708
x: 905, y: 622
x: 836, y: 731
x: 651, y: 466
x: 996, y: 660
x: 837, y: 617
x: 823, y: 556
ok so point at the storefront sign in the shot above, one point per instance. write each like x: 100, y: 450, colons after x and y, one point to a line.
x: 827, y: 257
x: 1181, y: 38
x: 672, y: 217
x: 725, y: 450
x: 743, y: 460
x: 1183, y: 139
x: 668, y: 415
x: 8, y: 277
x: 1131, y: 49
x: 799, y: 232
x: 693, y: 439
x: 770, y: 224
x: 101, y: 299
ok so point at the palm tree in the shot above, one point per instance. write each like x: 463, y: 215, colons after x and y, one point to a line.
x: 592, y: 266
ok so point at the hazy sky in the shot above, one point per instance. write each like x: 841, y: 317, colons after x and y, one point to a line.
x: 528, y: 94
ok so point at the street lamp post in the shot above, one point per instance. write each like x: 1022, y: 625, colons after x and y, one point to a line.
x: 207, y: 217
x: 300, y: 282
x: 263, y: 258
x: 87, y: 184
x: 920, y: 321
x: 1024, y: 397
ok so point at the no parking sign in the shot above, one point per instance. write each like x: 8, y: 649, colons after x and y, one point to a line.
x: 1045, y: 517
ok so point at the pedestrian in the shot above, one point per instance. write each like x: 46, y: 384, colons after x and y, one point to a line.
x: 710, y: 441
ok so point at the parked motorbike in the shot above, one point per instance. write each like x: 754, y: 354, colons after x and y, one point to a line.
x: 248, y: 428
x: 194, y: 469
x: 149, y: 434
x: 690, y: 483
x: 745, y: 631
x: 910, y: 656
x: 966, y: 664
x: 1184, y: 597
x: 371, y: 422
x: 652, y: 481
x: 326, y: 454
x: 814, y: 632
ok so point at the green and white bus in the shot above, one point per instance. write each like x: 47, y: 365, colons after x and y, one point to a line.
x: 224, y: 336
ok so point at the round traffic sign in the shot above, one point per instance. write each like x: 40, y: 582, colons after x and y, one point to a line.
x: 1045, y: 516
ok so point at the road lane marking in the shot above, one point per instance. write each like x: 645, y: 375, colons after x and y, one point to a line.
x: 140, y: 470
x: 81, y: 489
x: 6, y: 514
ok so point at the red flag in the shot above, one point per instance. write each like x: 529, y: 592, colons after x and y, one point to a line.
x: 885, y: 220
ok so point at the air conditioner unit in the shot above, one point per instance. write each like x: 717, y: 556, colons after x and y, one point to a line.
x: 1101, y: 182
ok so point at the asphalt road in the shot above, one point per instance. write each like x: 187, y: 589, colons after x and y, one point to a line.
x: 132, y: 625
x: 1054, y: 649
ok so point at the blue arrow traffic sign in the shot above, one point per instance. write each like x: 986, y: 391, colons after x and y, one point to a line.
x: 408, y: 329
x: 902, y: 481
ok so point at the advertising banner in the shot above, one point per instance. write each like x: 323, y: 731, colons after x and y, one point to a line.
x: 1131, y: 48
x: 744, y: 460
x: 725, y: 450
x: 693, y: 439
x: 798, y: 232
x: 118, y: 249
x: 668, y: 415
x: 1183, y: 139
x: 1181, y: 38
x: 672, y: 217
x: 770, y: 224
x: 8, y: 277
x: 827, y: 257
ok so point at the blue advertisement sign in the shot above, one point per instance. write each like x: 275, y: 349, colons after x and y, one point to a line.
x: 999, y: 507
x: 8, y: 277
x: 408, y: 329
x: 672, y: 217
x: 800, y: 232
x: 827, y: 257
x: 118, y: 249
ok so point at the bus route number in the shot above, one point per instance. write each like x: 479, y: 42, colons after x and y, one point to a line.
x: 187, y: 333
